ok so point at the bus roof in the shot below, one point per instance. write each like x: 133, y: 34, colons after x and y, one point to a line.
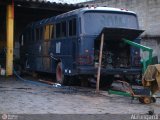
x: 85, y: 9
x: 82, y: 10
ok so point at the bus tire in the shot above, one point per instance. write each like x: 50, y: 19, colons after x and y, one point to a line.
x: 145, y: 100
x: 60, y: 78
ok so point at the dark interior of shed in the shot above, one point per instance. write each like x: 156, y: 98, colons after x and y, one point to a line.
x: 26, y: 12
x: 2, y: 35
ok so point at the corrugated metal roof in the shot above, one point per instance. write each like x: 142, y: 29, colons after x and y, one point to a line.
x: 48, y: 3
x: 42, y: 4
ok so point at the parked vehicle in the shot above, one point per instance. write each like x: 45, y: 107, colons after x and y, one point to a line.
x: 68, y: 44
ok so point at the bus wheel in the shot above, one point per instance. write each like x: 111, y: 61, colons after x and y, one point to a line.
x: 60, y: 78
x: 145, y: 100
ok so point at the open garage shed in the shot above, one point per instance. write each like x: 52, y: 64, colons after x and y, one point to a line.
x: 14, y: 16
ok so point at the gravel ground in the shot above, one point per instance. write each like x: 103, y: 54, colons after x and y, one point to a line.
x: 21, y: 97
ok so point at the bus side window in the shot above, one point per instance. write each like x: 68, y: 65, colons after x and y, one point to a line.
x: 22, y: 40
x: 61, y: 29
x: 27, y: 37
x: 46, y: 32
x: 51, y: 31
x: 72, y: 27
x: 37, y: 34
x: 58, y: 30
x: 40, y: 33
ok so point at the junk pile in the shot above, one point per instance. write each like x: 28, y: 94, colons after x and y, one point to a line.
x: 151, y: 78
x: 145, y: 93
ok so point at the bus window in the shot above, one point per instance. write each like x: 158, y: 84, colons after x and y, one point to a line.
x: 72, y: 27
x: 37, y: 34
x: 22, y: 40
x: 40, y: 33
x: 52, y: 33
x: 58, y: 29
x: 94, y: 22
x: 27, y: 36
x: 61, y: 30
x: 46, y: 32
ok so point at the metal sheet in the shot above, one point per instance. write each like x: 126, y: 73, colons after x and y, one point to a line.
x: 120, y: 33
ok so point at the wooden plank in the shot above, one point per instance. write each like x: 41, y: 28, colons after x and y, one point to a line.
x: 100, y: 62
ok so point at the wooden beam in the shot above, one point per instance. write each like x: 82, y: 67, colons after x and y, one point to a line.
x: 100, y: 62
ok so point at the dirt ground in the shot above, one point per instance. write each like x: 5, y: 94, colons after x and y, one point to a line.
x: 26, y: 97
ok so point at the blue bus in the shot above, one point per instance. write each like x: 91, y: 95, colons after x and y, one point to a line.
x: 68, y: 44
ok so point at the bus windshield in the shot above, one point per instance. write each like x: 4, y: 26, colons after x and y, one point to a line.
x: 94, y: 22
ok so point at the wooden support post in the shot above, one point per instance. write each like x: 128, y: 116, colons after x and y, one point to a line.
x: 9, y: 45
x: 100, y: 62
